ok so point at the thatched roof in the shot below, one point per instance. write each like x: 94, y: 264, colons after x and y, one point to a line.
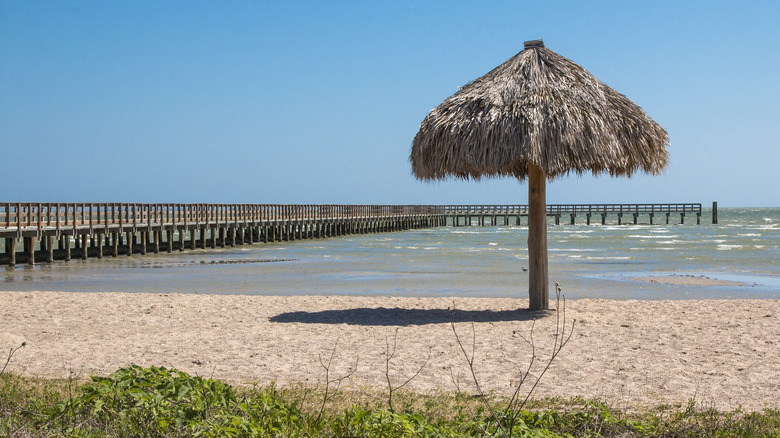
x: 537, y: 108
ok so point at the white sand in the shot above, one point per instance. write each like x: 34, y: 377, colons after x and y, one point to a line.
x: 723, y: 353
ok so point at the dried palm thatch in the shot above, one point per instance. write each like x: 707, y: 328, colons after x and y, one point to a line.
x: 537, y: 108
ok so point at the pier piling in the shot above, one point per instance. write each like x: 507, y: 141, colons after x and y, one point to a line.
x: 714, y: 212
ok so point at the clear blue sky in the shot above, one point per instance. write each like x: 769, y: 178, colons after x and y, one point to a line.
x: 318, y: 102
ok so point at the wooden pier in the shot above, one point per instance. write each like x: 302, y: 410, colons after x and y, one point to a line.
x: 86, y: 230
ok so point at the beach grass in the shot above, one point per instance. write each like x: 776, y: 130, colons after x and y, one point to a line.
x: 160, y: 402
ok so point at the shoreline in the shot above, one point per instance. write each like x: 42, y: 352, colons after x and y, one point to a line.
x: 688, y: 280
x: 723, y: 353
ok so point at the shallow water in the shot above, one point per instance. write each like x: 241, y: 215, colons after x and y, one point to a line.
x: 588, y: 261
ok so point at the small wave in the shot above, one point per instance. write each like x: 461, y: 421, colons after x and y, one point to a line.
x: 572, y: 250
x: 645, y: 236
x: 624, y: 228
x: 748, y: 235
x: 577, y: 231
x: 723, y: 247
x: 607, y: 258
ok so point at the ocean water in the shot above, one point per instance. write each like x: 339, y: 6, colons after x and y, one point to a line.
x: 588, y: 261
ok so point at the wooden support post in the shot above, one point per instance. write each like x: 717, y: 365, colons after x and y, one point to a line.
x: 538, y: 287
x: 114, y: 244
x: 157, y: 236
x: 84, y: 246
x: 11, y: 249
x: 181, y: 239
x: 232, y: 237
x: 714, y: 212
x: 587, y: 218
x: 66, y: 239
x: 144, y: 241
x: 49, y: 249
x: 130, y: 242
x: 203, y: 237
x: 682, y: 218
x: 667, y: 218
x: 100, y: 245
x: 572, y: 218
x: 193, y: 238
x: 222, y: 237
x: 29, y: 243
x: 169, y: 238
x: 636, y: 217
x: 651, y: 218
x: 603, y: 218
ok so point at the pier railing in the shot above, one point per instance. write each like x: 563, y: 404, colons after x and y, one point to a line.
x: 58, y: 216
x: 553, y: 209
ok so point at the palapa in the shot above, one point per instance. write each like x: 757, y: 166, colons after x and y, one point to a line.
x: 537, y: 116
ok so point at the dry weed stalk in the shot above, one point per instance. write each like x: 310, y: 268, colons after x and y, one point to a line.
x: 332, y: 381
x: 389, y: 354
x: 10, y: 355
x: 505, y: 420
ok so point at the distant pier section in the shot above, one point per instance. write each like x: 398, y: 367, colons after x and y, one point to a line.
x: 467, y: 215
x: 44, y: 232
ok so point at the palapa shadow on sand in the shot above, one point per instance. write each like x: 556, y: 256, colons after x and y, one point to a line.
x: 405, y: 317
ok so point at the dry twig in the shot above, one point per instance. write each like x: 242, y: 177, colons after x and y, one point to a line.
x: 10, y: 355
x: 389, y: 354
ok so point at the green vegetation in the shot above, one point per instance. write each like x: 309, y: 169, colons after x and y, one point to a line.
x: 159, y: 402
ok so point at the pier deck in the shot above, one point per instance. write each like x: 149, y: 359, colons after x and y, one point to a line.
x: 93, y: 230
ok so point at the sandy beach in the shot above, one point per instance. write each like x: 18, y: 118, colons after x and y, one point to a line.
x: 723, y: 353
